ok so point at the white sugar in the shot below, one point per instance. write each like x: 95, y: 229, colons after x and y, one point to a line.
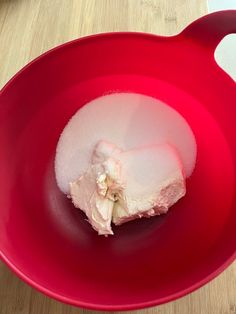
x: 127, y: 120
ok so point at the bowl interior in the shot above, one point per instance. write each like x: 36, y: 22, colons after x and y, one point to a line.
x: 150, y: 260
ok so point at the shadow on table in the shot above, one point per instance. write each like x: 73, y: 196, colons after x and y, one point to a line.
x: 17, y: 297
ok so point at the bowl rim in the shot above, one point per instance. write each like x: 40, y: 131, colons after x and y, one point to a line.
x: 117, y: 307
x: 82, y: 40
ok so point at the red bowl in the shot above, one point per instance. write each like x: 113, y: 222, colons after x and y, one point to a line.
x: 47, y: 242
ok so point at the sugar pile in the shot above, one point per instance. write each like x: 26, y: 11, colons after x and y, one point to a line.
x: 129, y: 121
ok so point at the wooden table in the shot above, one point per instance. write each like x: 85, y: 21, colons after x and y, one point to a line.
x: 30, y: 27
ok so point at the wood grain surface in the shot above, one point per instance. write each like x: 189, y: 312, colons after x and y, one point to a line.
x: 30, y: 27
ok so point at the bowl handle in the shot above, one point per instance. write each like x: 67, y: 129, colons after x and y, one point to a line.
x: 210, y: 29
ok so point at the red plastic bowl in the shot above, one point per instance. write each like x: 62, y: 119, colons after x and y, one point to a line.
x: 47, y: 242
